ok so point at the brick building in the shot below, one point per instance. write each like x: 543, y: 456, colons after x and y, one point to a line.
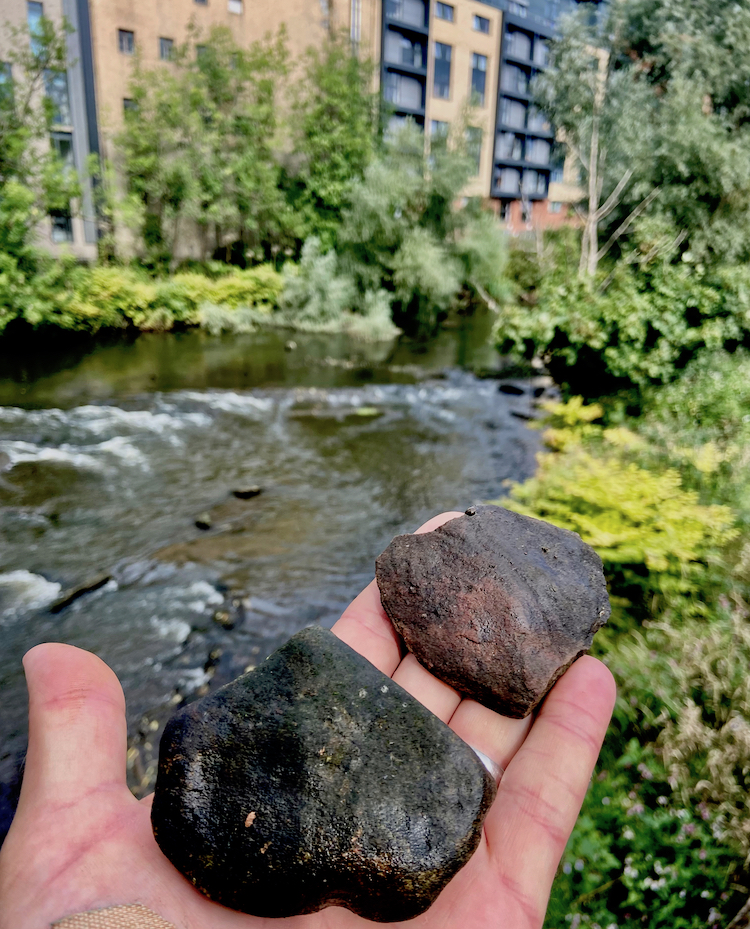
x: 434, y: 58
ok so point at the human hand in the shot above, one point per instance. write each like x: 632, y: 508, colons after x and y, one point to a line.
x: 80, y: 840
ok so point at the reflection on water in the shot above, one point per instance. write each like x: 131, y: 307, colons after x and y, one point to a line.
x: 104, y: 467
x: 115, y: 366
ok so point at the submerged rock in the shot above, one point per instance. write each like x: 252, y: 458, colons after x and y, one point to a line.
x: 246, y: 493
x: 496, y: 604
x: 313, y: 781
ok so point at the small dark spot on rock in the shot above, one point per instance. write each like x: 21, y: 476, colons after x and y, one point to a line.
x: 511, y: 390
x: 203, y: 521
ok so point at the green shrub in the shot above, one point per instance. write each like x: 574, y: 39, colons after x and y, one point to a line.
x: 110, y: 297
x: 257, y: 287
x: 642, y: 328
x: 218, y: 319
x: 315, y: 294
x: 655, y: 539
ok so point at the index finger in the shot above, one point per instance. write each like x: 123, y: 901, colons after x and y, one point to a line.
x: 364, y: 624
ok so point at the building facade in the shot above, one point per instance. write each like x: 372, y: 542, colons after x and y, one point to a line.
x: 466, y: 63
x: 75, y: 132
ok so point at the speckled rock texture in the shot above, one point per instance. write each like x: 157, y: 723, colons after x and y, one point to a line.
x: 313, y: 781
x: 496, y: 604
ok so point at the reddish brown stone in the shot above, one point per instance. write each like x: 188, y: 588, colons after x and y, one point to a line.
x: 496, y: 604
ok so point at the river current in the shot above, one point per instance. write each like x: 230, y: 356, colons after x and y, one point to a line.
x: 106, y: 463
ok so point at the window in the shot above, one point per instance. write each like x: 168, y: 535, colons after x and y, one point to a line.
x: 34, y: 13
x: 557, y: 176
x: 554, y: 207
x: 126, y: 41
x: 202, y: 2
x: 129, y: 106
x: 166, y: 47
x: 481, y: 24
x: 509, y: 147
x: 444, y: 11
x: 541, y: 53
x: 505, y: 211
x: 538, y: 151
x: 62, y: 143
x: 235, y: 6
x: 401, y: 50
x: 56, y: 85
x: 538, y: 122
x: 518, y: 44
x: 518, y: 9
x: 474, y: 146
x: 403, y: 91
x: 513, y: 113
x: 200, y: 50
x: 439, y: 129
x: 411, y: 12
x: 514, y: 80
x: 509, y: 180
x: 478, y: 78
x: 534, y: 182
x: 6, y: 82
x: 62, y: 226
x: 442, y: 81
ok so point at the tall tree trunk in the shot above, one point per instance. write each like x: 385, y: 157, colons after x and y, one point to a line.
x: 592, y: 218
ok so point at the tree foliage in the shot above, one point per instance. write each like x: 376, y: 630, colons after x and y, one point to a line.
x: 199, y: 145
x: 402, y: 230
x: 333, y: 127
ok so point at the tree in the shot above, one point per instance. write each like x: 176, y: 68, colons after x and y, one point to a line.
x: 695, y: 55
x: 198, y: 146
x: 602, y: 112
x: 334, y: 124
x: 403, y: 230
x: 33, y: 179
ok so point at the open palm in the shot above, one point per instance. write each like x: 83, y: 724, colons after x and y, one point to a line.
x: 81, y: 841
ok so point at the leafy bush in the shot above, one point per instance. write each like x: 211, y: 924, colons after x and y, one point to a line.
x: 218, y: 319
x: 641, y: 329
x: 315, y: 294
x: 664, y: 833
x: 657, y: 542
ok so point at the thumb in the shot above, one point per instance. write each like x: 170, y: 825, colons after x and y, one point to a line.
x: 77, y: 727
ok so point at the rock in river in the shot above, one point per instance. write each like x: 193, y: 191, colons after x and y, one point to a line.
x: 313, y: 781
x: 496, y: 604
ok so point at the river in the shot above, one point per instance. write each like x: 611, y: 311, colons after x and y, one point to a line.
x: 109, y: 456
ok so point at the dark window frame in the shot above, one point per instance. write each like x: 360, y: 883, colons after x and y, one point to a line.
x: 441, y: 79
x: 478, y: 78
x: 126, y: 41
x: 166, y: 48
x: 61, y: 221
x: 445, y: 11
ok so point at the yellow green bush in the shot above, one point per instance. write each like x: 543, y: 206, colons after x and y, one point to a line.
x: 655, y: 538
x: 117, y: 297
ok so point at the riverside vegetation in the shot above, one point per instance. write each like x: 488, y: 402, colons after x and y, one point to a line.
x: 644, y: 321
x: 301, y: 214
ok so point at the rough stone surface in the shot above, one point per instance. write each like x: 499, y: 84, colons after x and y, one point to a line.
x: 316, y: 780
x: 496, y: 604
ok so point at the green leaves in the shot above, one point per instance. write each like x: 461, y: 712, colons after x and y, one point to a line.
x: 199, y: 144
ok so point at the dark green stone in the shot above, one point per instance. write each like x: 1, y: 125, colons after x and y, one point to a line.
x: 313, y: 781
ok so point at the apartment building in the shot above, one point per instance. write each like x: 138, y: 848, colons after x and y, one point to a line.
x: 75, y: 132
x: 438, y: 61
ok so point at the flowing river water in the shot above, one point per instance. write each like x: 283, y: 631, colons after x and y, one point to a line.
x: 108, y: 457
